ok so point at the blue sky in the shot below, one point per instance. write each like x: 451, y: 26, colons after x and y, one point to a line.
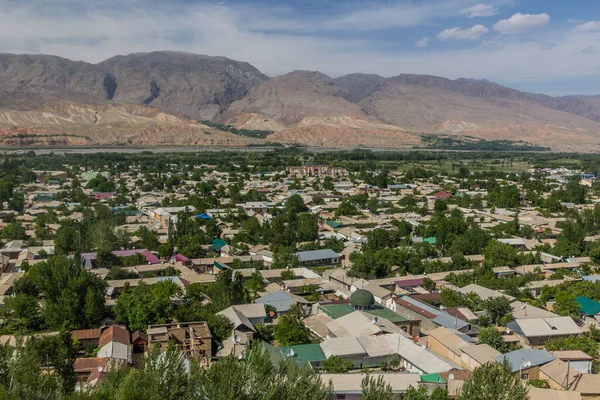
x: 549, y: 46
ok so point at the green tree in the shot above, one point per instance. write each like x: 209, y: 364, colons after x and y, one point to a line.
x: 146, y: 304
x: 290, y: 331
x: 163, y: 375
x: 492, y: 337
x: 337, y: 365
x: 376, y: 389
x: 255, y: 378
x: 73, y: 297
x: 494, y: 381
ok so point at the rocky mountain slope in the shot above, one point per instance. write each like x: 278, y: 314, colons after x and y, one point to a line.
x: 162, y: 97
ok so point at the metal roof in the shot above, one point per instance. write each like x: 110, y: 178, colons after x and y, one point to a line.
x: 314, y: 255
x: 525, y: 358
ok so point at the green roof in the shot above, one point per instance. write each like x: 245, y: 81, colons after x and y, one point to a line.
x: 432, y: 378
x: 430, y: 240
x: 275, y: 355
x: 333, y: 224
x: 588, y: 306
x: 336, y: 311
x: 218, y: 243
x: 305, y: 353
x: 362, y: 298
x: 219, y: 265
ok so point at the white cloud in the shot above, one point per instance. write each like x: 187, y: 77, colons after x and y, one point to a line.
x: 457, y: 33
x: 591, y: 26
x: 422, y: 42
x: 520, y: 23
x: 480, y: 10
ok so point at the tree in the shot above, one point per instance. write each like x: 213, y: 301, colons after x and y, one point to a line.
x: 144, y: 304
x: 163, y: 375
x: 73, y: 297
x: 494, y: 381
x: 295, y: 204
x: 584, y: 343
x: 420, y: 393
x: 566, y: 305
x: 499, y: 254
x: 337, y: 365
x: 255, y: 378
x: 492, y: 337
x: 290, y: 331
x: 287, y: 274
x: 376, y: 389
x: 14, y: 231
x: 497, y: 308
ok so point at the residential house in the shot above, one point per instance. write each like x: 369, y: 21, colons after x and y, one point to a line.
x: 192, y: 338
x: 526, y: 361
x: 535, y: 332
x: 348, y: 386
x: 577, y: 359
x: 315, y: 258
x: 115, y: 342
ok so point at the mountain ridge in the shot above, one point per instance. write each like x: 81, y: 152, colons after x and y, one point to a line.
x: 303, y: 105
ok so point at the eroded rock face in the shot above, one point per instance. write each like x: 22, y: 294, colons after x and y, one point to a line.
x: 181, y: 83
x: 127, y: 99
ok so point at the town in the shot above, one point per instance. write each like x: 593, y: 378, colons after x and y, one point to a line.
x: 331, y: 275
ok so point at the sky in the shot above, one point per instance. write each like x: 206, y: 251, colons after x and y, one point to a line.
x: 547, y: 46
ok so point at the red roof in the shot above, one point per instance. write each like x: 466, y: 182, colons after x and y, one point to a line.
x: 89, y: 364
x: 443, y: 195
x: 86, y: 334
x: 114, y: 334
x: 414, y: 308
x: 410, y: 282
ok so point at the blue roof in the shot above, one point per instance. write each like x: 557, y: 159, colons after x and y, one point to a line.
x: 281, y: 300
x: 203, y: 216
x: 520, y: 359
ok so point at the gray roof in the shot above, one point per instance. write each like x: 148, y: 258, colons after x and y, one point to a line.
x: 423, y: 305
x: 450, y: 322
x: 521, y: 358
x: 313, y: 255
x: 282, y: 301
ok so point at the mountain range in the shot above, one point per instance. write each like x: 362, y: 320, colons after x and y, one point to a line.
x: 175, y: 98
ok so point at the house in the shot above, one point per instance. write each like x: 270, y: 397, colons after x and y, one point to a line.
x: 245, y: 316
x: 305, y: 354
x: 348, y: 386
x: 483, y: 292
x: 430, y: 317
x: 526, y: 361
x: 410, y: 284
x: 558, y: 374
x: 86, y: 367
x: 443, y: 195
x: 314, y: 258
x: 551, y: 394
x: 87, y: 338
x: 192, y: 338
x: 588, y: 307
x: 515, y: 243
x: 362, y: 300
x: 460, y: 349
x: 359, y: 323
x: 535, y: 332
x: 115, y: 342
x: 577, y: 359
x: 281, y: 301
